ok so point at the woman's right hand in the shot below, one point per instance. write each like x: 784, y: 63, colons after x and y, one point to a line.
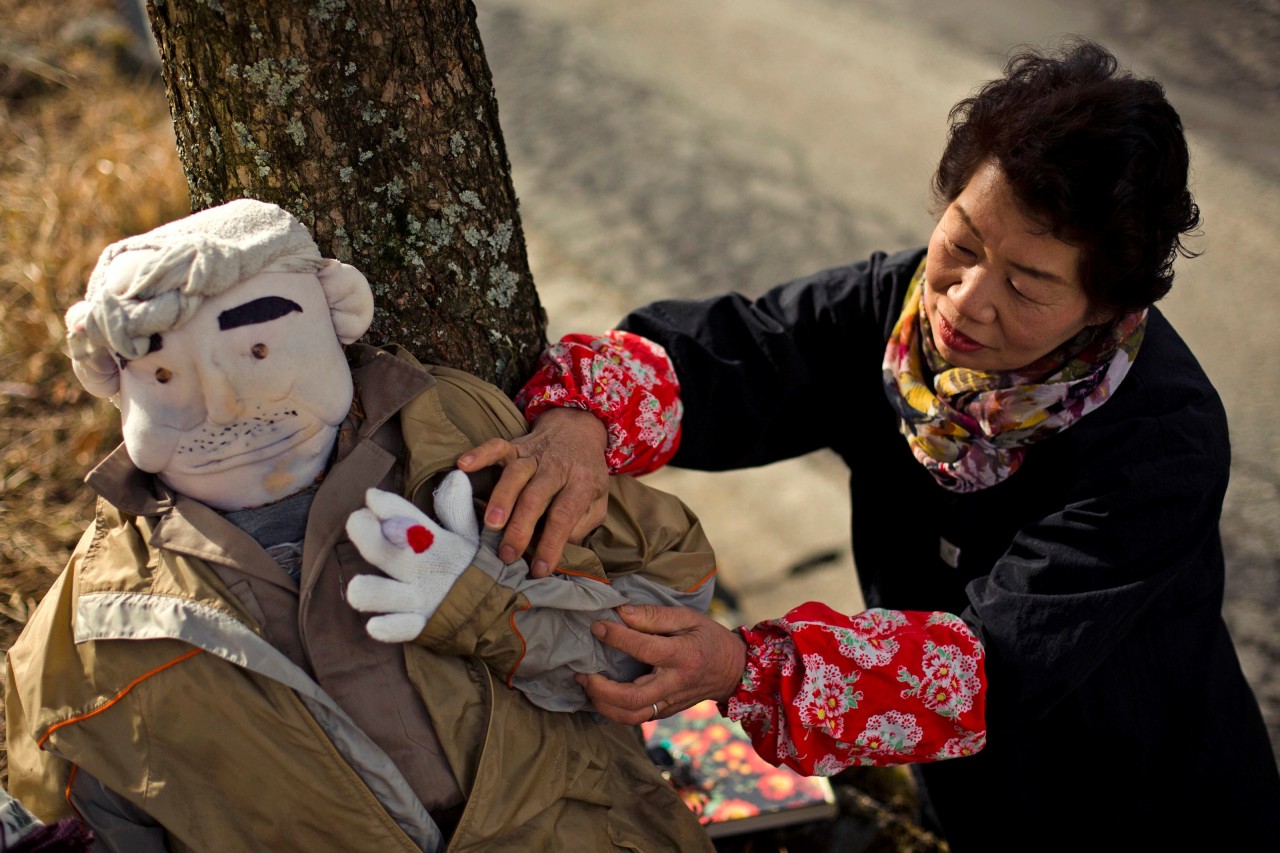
x: 693, y: 658
x: 558, y: 473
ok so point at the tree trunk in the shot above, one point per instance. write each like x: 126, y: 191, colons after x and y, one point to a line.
x: 377, y: 125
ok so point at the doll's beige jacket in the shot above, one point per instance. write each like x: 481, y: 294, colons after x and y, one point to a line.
x: 173, y: 663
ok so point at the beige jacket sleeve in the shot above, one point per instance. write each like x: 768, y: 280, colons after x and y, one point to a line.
x: 535, y: 634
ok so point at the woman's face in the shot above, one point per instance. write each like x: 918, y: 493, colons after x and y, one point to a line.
x: 1000, y: 292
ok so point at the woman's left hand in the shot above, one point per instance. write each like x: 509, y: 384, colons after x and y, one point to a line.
x: 557, y: 471
x: 693, y: 658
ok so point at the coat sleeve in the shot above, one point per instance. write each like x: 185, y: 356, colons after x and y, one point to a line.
x: 1120, y: 584
x: 626, y: 381
x: 37, y: 778
x: 823, y: 691
x: 730, y: 382
x: 763, y: 380
x: 535, y: 633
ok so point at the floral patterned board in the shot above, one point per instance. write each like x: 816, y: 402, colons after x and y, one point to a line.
x: 722, y: 779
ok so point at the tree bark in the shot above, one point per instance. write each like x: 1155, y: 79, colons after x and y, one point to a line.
x: 377, y: 125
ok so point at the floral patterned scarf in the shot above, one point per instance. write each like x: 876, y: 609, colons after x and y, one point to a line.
x: 971, y: 428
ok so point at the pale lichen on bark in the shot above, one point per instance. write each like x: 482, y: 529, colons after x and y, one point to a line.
x: 377, y: 125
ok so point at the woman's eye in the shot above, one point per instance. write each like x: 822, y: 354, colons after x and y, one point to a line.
x: 163, y: 375
x: 259, y: 351
x: 1021, y: 294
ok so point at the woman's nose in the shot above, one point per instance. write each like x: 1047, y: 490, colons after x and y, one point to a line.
x: 974, y: 294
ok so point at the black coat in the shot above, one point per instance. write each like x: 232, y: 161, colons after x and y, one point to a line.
x: 1093, y: 575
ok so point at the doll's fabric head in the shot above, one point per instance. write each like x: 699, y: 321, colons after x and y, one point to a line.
x: 220, y: 337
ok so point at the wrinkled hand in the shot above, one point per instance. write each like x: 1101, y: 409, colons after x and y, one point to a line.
x: 693, y: 658
x: 557, y: 470
x: 421, y: 557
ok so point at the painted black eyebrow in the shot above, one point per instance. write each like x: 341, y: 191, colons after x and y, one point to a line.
x: 258, y: 311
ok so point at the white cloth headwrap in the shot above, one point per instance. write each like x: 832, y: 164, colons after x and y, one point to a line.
x: 154, y: 282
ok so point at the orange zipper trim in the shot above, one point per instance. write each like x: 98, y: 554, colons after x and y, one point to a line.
x: 524, y: 647
x: 114, y: 699
x: 583, y: 575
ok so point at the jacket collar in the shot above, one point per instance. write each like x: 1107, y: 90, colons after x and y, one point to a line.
x: 386, y: 380
x: 120, y: 483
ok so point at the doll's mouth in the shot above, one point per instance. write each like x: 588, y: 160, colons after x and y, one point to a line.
x: 226, y: 460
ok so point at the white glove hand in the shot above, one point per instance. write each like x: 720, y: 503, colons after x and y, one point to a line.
x: 421, y: 557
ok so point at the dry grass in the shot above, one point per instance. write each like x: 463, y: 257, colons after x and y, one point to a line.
x: 86, y: 156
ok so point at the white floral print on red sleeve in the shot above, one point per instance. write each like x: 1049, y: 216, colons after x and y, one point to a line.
x: 625, y: 380
x: 823, y: 691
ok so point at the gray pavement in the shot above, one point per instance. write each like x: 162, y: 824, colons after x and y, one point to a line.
x: 669, y: 148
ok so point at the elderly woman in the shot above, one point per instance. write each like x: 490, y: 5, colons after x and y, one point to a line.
x: 1037, y: 462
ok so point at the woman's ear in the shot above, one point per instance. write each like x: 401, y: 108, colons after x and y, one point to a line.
x: 1101, y: 316
x: 350, y: 299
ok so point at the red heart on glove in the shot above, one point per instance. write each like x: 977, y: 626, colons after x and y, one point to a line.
x: 419, y: 538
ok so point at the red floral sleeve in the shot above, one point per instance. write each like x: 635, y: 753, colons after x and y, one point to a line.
x: 823, y: 691
x: 625, y: 380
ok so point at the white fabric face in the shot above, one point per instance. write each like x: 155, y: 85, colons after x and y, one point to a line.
x: 240, y: 405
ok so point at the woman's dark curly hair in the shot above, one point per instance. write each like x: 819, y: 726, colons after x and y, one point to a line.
x: 1092, y: 152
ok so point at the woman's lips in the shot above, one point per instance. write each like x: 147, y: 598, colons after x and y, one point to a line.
x: 956, y: 339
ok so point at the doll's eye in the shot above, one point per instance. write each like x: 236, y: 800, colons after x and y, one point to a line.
x: 163, y: 375
x: 259, y: 351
